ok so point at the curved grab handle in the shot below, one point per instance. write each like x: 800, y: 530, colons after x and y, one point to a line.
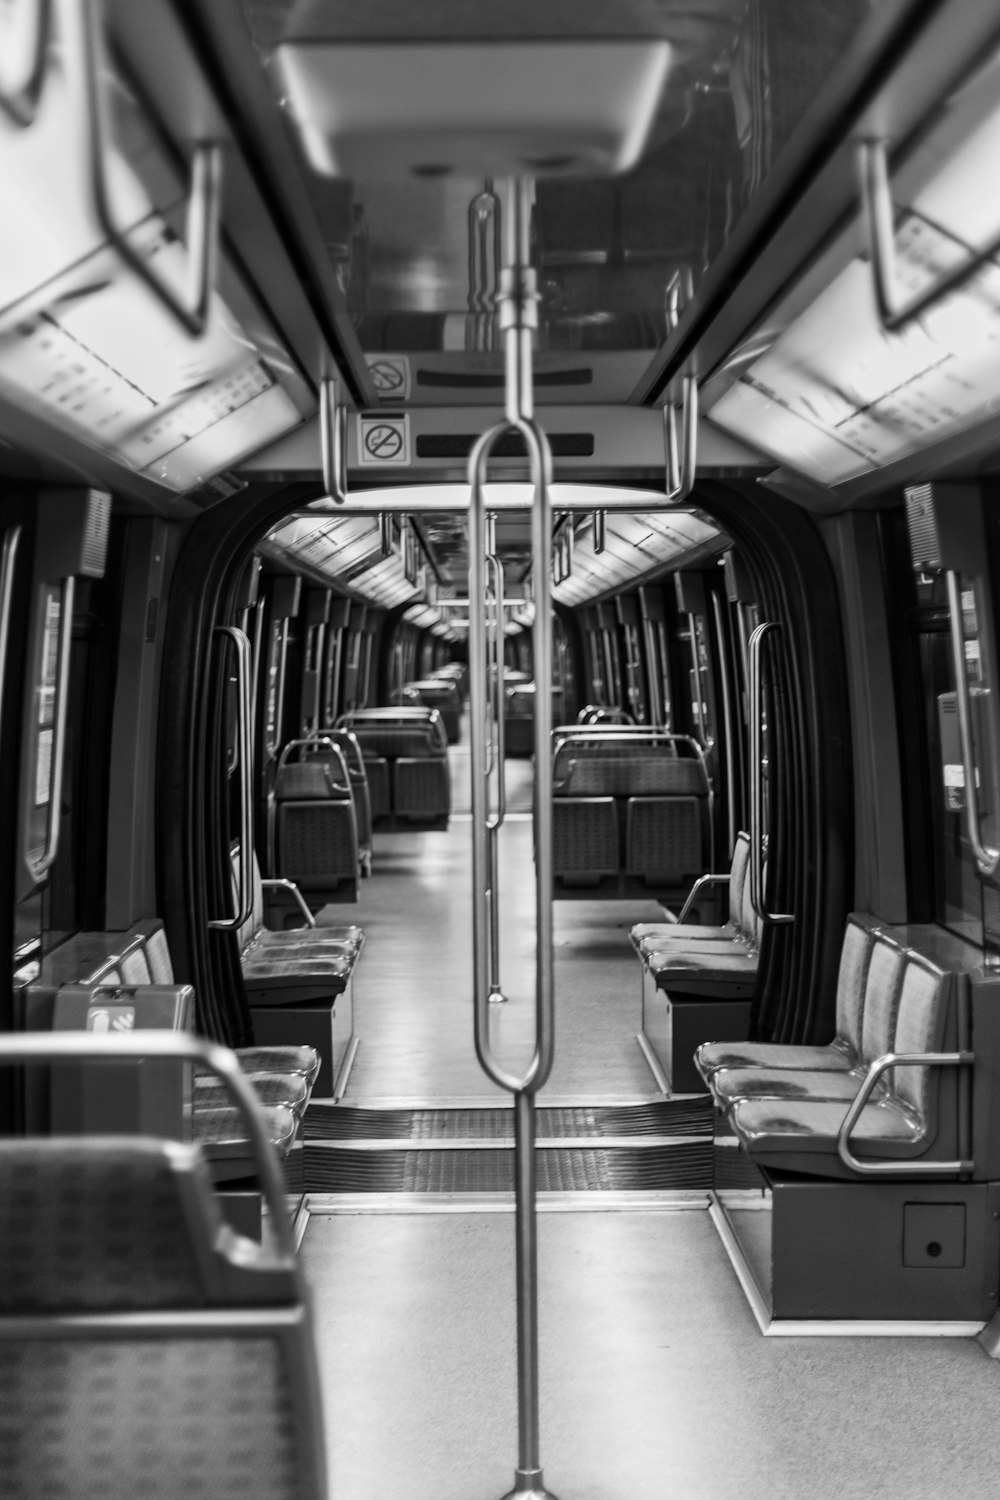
x: 987, y: 859
x: 756, y: 695
x: 71, y: 1045
x: 40, y: 866
x: 681, y: 468
x: 896, y: 1168
x: 333, y: 441
x: 540, y: 459
x: 600, y: 530
x: 244, y: 751
x: 20, y: 105
x: 192, y: 312
x: 876, y: 199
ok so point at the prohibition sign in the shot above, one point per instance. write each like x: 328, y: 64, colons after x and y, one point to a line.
x: 383, y: 442
x: 389, y: 379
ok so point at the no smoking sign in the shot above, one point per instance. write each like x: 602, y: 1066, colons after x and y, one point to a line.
x: 384, y: 440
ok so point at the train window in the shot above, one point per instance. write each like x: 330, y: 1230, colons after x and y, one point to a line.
x: 945, y: 884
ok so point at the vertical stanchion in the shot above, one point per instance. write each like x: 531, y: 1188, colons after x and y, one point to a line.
x: 517, y: 318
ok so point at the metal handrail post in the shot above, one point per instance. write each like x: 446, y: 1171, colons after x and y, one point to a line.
x: 517, y: 317
x: 987, y: 859
x: 755, y: 692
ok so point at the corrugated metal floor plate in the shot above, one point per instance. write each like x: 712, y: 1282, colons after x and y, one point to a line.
x: 660, y: 1117
x: 560, y: 1169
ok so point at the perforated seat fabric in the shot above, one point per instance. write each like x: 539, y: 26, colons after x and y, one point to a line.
x: 215, y: 1396
x: 91, y: 1225
x: 584, y: 836
x: 665, y: 836
x: 316, y: 843
x: 632, y: 775
x: 98, y: 1441
x: 308, y: 781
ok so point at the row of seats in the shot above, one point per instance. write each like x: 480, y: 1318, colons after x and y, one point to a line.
x: 628, y: 811
x: 831, y: 1110
x: 437, y: 692
x: 100, y: 981
x: 299, y: 984
x: 405, y: 753
x: 700, y: 958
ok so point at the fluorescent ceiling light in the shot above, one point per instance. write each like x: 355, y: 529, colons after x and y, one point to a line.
x: 835, y: 395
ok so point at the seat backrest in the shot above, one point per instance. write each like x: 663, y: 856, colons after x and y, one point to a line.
x: 925, y: 992
x: 852, y: 976
x: 641, y: 774
x: 309, y: 781
x: 141, y: 1341
x: 883, y: 984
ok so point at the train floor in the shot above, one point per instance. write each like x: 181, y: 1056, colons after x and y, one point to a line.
x: 655, y: 1380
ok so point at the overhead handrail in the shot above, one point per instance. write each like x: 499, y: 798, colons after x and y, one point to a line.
x: 204, y: 195
x: 384, y: 532
x: 8, y: 563
x: 244, y: 752
x: 50, y: 1046
x: 43, y: 863
x: 755, y: 689
x: 20, y: 103
x: 876, y: 198
x: 484, y: 267
x: 681, y: 464
x: 987, y: 859
x: 333, y: 441
x: 679, y: 291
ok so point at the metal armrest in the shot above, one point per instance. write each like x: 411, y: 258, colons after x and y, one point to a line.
x: 289, y: 885
x: 898, y: 1168
x: 692, y: 894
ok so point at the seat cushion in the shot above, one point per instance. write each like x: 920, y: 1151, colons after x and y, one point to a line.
x: 833, y: 1057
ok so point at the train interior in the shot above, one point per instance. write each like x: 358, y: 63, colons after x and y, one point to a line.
x: 499, y: 718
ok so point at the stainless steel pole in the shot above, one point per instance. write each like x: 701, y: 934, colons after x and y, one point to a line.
x: 517, y: 318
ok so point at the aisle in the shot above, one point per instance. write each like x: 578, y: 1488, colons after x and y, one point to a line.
x: 413, y: 987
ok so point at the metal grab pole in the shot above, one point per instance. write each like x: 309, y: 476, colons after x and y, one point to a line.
x: 755, y: 693
x: 517, y: 317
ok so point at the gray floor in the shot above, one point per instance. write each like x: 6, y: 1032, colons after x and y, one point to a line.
x: 655, y: 1379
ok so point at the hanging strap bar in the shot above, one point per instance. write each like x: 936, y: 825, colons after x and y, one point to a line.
x: 876, y: 200
x: 987, y: 859
x: 19, y: 98
x: 482, y: 817
x: 681, y: 466
x: 202, y: 235
x: 333, y: 441
x: 755, y: 688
